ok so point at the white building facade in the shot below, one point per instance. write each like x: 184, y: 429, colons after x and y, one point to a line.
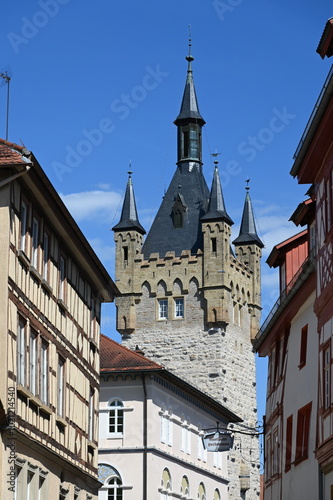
x: 151, y: 428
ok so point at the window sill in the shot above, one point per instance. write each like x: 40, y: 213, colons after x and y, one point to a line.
x: 35, y: 273
x: 47, y: 286
x: 91, y: 444
x: 62, y: 305
x: 34, y: 399
x: 23, y: 258
x: 61, y: 421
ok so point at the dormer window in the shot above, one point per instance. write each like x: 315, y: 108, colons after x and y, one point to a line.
x: 178, y: 210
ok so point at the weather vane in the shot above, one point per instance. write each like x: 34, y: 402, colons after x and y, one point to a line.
x: 215, y: 155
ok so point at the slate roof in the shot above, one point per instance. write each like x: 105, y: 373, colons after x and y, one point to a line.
x: 115, y: 358
x: 189, y: 108
x: 248, y: 232
x: 129, y: 215
x: 216, y: 208
x: 163, y: 236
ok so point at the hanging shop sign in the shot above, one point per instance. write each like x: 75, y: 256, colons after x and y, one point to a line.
x: 218, y: 440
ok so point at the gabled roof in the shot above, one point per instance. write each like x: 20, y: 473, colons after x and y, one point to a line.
x: 216, y: 207
x: 304, y: 213
x: 278, y: 251
x: 129, y: 215
x: 248, y: 231
x: 115, y: 358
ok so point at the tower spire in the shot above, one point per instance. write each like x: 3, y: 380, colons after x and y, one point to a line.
x: 129, y: 215
x: 216, y: 207
x: 189, y: 108
x: 248, y: 231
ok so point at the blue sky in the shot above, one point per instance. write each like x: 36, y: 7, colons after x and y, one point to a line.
x: 97, y: 84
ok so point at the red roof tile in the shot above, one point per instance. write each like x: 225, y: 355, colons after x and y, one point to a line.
x: 11, y: 154
x: 115, y: 357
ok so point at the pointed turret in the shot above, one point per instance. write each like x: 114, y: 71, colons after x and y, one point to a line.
x: 189, y: 109
x: 248, y: 232
x: 128, y: 236
x: 177, y: 224
x: 129, y: 215
x: 248, y: 248
x: 189, y: 121
x: 216, y: 207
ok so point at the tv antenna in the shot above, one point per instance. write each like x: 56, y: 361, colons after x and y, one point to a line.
x: 5, y: 79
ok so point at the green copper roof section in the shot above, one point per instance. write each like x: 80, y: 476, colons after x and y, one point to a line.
x: 248, y: 231
x: 129, y: 215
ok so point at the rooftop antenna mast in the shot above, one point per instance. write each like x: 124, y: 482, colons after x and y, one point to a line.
x: 6, y: 80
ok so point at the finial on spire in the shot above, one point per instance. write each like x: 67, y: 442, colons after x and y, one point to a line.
x: 215, y: 155
x: 130, y: 172
x: 247, y: 184
x: 189, y: 58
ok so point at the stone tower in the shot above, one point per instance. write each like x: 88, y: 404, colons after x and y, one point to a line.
x: 190, y: 301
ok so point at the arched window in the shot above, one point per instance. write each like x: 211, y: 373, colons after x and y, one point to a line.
x: 115, y: 491
x: 165, y: 484
x: 185, y: 488
x: 112, y: 483
x: 116, y: 417
x: 201, y: 492
x: 217, y: 495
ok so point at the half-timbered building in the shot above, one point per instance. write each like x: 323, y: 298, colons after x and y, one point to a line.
x: 51, y: 289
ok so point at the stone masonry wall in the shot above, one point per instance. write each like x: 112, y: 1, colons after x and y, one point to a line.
x: 219, y: 362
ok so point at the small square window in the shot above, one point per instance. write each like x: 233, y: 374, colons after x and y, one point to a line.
x: 179, y: 307
x: 163, y: 309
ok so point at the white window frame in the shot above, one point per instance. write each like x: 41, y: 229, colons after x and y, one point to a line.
x: 60, y: 385
x: 33, y: 360
x: 114, y: 485
x: 62, y: 277
x: 35, y: 243
x: 118, y: 416
x: 179, y: 307
x: 163, y: 309
x: 44, y: 368
x: 46, y: 256
x: 91, y: 414
x: 24, y: 217
x: 21, y: 352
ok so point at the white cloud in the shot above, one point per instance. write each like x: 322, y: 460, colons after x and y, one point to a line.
x: 104, y: 252
x: 93, y: 205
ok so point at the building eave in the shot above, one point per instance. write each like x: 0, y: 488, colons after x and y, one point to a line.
x: 312, y: 126
x: 40, y: 187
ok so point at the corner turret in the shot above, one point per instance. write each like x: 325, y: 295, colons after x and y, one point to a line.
x: 128, y: 236
x: 248, y: 249
x: 216, y: 228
